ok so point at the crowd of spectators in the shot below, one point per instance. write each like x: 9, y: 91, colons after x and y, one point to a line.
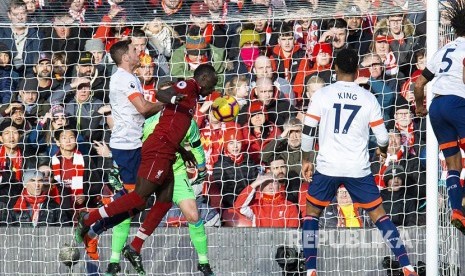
x: 56, y: 119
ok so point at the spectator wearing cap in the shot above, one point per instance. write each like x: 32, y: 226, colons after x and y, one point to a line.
x: 242, y: 61
x: 321, y: 62
x: 234, y: 170
x: 412, y: 130
x: 75, y: 172
x: 264, y: 203
x: 62, y: 36
x: 196, y: 51
x: 358, y: 38
x: 88, y: 112
x: 34, y: 207
x: 11, y: 161
x: 23, y: 41
x: 290, y: 61
x: 403, y: 39
x: 278, y: 110
x: 96, y: 47
x: 379, y: 84
x: 40, y: 139
x: 401, y: 206
x: 43, y: 74
x: 259, y: 130
x: 8, y: 77
x: 87, y: 72
x: 28, y: 96
x: 213, y: 33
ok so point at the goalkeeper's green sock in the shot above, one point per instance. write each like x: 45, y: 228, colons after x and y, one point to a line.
x: 199, y: 239
x: 118, y: 240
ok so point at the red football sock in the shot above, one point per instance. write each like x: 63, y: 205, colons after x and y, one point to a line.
x: 151, y: 221
x: 123, y: 204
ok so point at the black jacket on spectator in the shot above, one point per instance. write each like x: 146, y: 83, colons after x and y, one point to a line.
x: 50, y: 214
x: 231, y: 179
x: 72, y: 45
x: 402, y: 208
x: 32, y: 46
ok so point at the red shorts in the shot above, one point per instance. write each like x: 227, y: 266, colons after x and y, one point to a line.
x: 157, y: 170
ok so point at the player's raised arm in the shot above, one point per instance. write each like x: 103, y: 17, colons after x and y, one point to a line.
x: 145, y: 107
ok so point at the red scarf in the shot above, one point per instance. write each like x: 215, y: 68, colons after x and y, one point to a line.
x: 379, y: 177
x: 77, y: 179
x: 407, y: 137
x: 34, y: 201
x: 208, y: 33
x: 16, y: 163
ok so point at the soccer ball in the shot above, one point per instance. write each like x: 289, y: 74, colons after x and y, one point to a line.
x: 225, y: 108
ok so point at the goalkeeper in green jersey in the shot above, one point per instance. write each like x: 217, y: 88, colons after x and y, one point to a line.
x: 183, y: 196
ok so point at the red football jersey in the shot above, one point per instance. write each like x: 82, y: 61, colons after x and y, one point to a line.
x: 174, y: 121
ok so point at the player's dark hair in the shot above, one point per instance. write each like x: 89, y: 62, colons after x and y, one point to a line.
x: 118, y: 50
x: 204, y: 70
x: 347, y: 61
x: 455, y: 12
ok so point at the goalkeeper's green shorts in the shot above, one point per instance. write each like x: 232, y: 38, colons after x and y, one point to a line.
x: 182, y: 188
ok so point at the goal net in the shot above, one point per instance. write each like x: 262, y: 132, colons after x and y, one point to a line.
x: 55, y: 70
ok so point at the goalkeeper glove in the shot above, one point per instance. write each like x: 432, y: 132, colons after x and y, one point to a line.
x: 201, y: 175
x: 114, y: 178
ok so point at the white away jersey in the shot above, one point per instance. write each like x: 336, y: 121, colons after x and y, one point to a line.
x: 447, y: 67
x: 345, y: 112
x: 127, y: 131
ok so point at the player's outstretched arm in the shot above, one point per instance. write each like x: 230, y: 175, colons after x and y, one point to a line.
x: 145, y: 107
x: 168, y: 95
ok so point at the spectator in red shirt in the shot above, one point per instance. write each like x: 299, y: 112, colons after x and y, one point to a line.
x: 263, y: 202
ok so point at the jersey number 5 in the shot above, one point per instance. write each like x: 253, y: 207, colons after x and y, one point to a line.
x: 337, y: 121
x: 447, y: 59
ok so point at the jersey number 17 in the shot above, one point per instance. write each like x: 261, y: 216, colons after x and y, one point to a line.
x: 337, y: 121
